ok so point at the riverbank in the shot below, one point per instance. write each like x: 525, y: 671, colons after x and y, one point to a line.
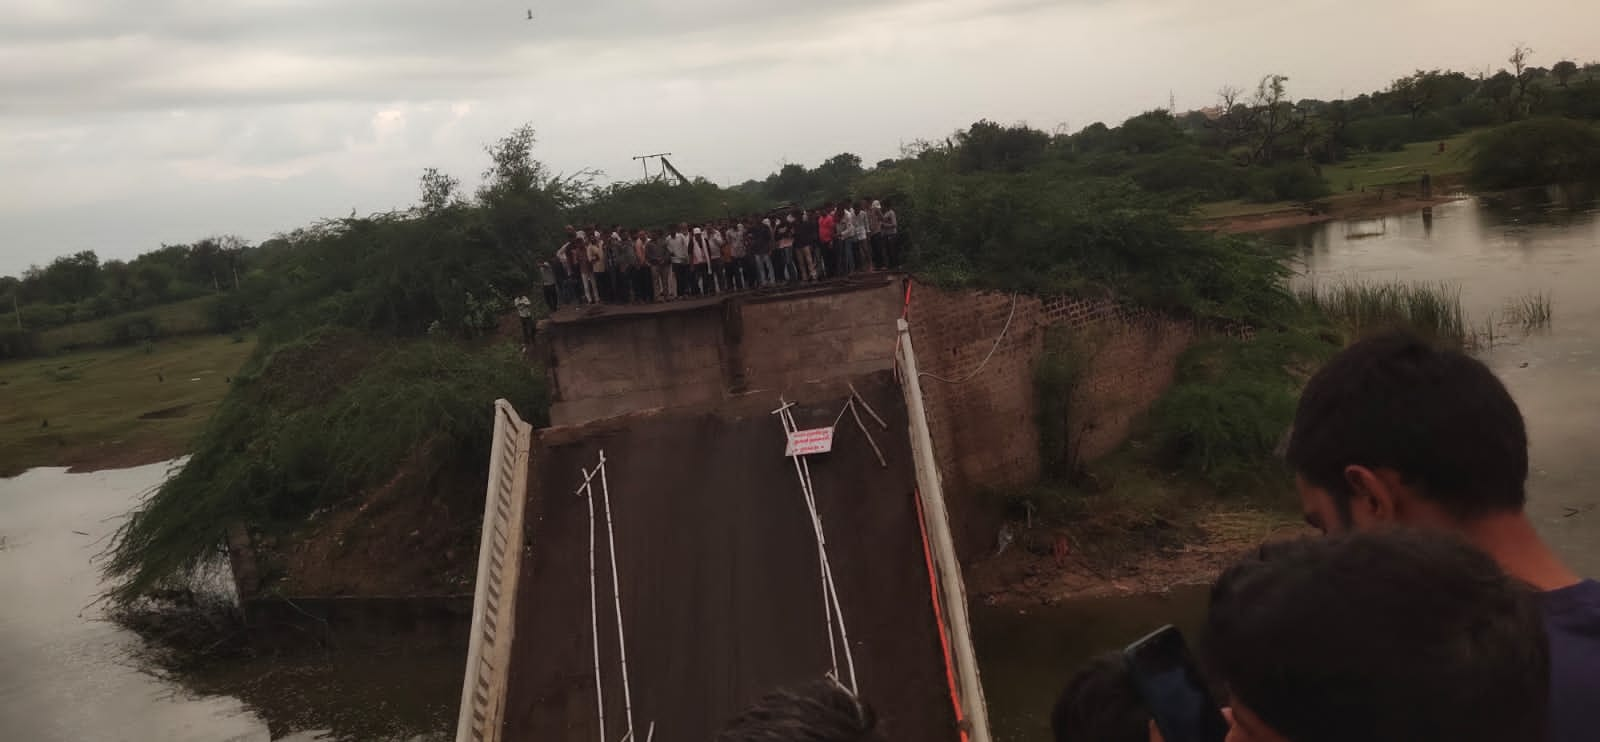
x: 1162, y: 556
x: 113, y: 408
x: 1338, y: 208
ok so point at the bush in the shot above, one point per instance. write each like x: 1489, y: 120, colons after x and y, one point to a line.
x: 1392, y: 133
x: 1288, y: 181
x: 1193, y: 171
x: 133, y: 328
x: 1535, y: 152
x: 1055, y: 378
x: 16, y: 343
x: 230, y: 312
x: 1232, y: 402
x: 1471, y: 114
x: 1047, y: 231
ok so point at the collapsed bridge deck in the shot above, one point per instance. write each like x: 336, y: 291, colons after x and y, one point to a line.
x: 718, y: 570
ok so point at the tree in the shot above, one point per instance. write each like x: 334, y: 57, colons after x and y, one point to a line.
x: 512, y: 169
x: 439, y: 191
x: 1418, y: 91
x: 520, y: 198
x: 1152, y: 131
x: 842, y: 165
x: 1524, y: 76
x: 792, y: 183
x: 1274, y: 117
x: 833, y: 177
x: 1535, y: 152
x: 987, y: 145
x: 1564, y: 71
x: 69, y: 278
x: 1501, y: 88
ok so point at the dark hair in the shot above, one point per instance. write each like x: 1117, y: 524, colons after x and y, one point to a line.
x: 1438, y: 418
x: 1100, y: 704
x: 822, y: 711
x: 1383, y: 636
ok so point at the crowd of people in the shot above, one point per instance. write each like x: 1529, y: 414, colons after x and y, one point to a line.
x: 627, y: 265
x: 1430, y: 611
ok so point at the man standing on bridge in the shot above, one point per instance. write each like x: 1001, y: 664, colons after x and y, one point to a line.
x: 678, y: 245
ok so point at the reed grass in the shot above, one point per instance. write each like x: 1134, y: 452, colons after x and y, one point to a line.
x: 1357, y: 308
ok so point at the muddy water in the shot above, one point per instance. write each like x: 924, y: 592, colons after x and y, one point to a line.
x: 1495, y: 252
x: 68, y: 674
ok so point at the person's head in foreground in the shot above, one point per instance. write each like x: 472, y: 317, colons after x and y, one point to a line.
x: 823, y: 711
x: 1101, y: 704
x: 1386, y: 636
x: 1395, y: 430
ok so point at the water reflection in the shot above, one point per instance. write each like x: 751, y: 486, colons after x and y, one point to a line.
x: 66, y: 673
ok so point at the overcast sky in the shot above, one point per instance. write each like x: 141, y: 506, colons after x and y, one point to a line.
x: 127, y: 124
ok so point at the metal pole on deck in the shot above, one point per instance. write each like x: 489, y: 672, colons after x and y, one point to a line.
x: 616, y: 598
x: 937, y: 518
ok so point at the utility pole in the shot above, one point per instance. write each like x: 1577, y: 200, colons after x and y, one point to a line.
x: 16, y: 310
x: 645, y: 161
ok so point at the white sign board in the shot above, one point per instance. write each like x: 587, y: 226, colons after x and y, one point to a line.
x: 807, y: 442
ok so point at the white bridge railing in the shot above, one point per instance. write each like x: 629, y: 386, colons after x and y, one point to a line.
x: 483, y: 692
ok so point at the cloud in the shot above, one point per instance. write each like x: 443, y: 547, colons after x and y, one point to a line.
x: 126, y: 124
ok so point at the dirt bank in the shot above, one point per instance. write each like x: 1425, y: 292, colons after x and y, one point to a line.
x: 1049, y: 565
x: 119, y: 454
x: 719, y: 575
x: 1357, y: 206
x: 417, y: 534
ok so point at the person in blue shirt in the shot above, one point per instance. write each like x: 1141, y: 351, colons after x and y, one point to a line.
x: 1394, y: 431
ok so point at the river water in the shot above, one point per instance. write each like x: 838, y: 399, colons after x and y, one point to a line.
x: 66, y: 673
x: 1494, y: 252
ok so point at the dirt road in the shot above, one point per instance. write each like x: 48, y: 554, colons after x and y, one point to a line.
x: 719, y: 577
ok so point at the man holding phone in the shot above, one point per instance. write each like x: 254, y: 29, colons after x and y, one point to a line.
x: 1394, y: 431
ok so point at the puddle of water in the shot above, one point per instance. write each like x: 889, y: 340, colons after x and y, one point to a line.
x: 66, y: 673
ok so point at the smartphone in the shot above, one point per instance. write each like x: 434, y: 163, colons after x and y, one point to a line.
x: 1172, y: 688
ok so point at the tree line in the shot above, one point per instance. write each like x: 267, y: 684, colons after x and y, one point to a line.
x: 454, y: 256
x: 1260, y: 144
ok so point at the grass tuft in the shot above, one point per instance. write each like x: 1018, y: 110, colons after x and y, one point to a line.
x: 1530, y: 312
x: 1358, y: 308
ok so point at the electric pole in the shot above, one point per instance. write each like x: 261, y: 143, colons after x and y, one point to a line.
x: 645, y: 161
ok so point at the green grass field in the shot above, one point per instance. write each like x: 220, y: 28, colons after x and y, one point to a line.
x: 1364, y: 171
x: 118, y: 405
x: 1404, y: 166
x: 179, y: 318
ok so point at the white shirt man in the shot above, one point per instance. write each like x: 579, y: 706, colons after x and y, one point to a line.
x: 846, y: 227
x: 699, y: 249
x: 678, y: 245
x: 718, y: 244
